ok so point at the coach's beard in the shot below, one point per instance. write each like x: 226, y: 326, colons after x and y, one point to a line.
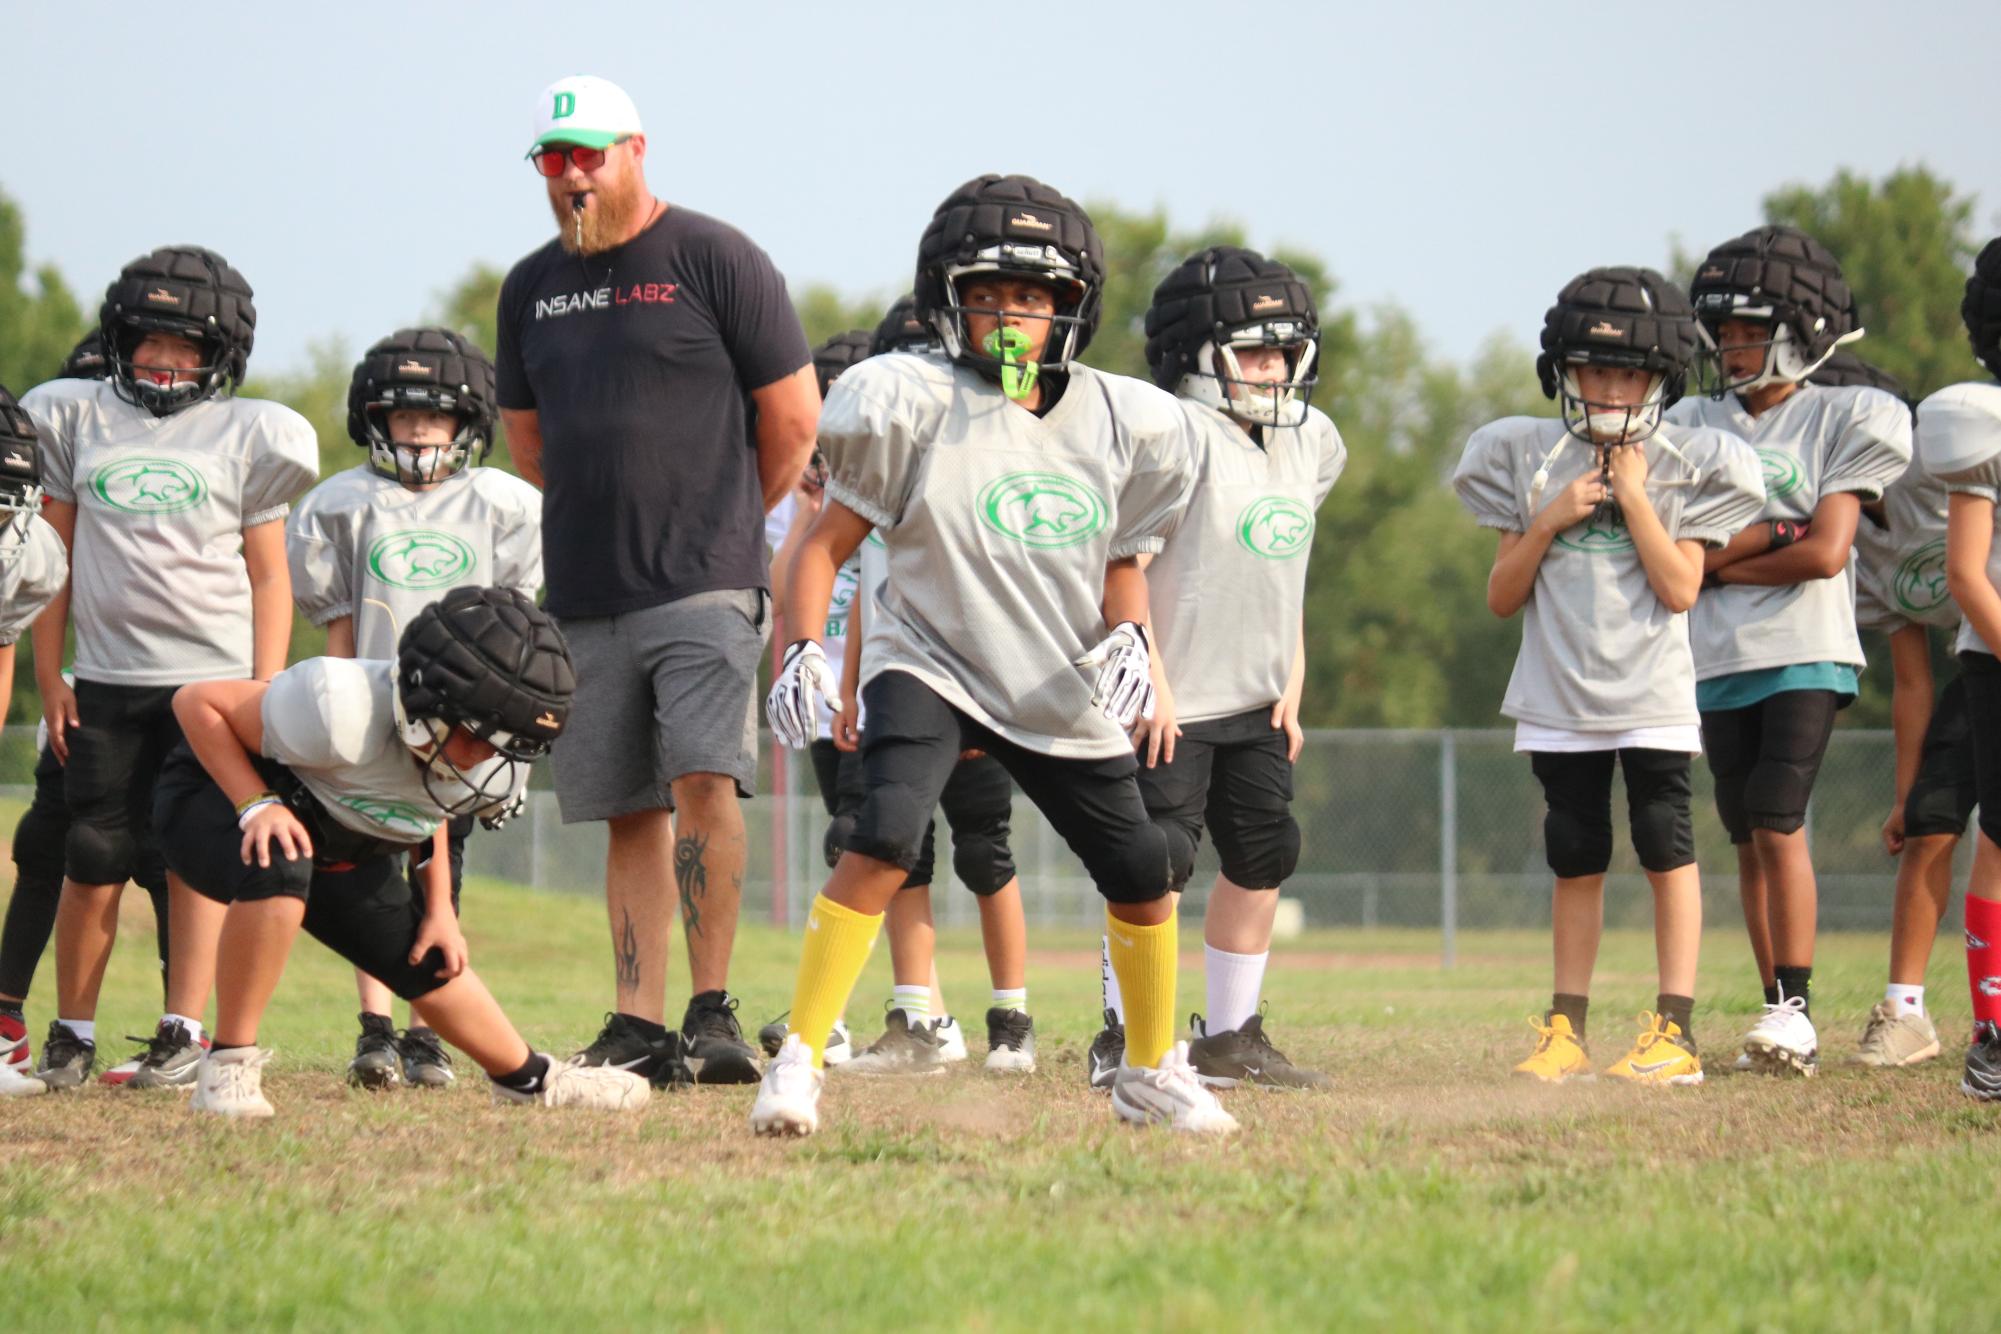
x: 601, y: 226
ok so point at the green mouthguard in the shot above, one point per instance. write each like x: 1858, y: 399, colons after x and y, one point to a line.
x: 1017, y: 376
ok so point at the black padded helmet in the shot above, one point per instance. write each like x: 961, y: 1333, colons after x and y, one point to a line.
x: 1627, y: 318
x: 189, y: 292
x: 1980, y: 308
x: 1845, y: 370
x: 1223, y: 299
x: 838, y: 353
x: 901, y: 330
x: 86, y: 361
x: 1781, y: 277
x: 1017, y: 227
x: 20, y: 473
x: 428, y: 368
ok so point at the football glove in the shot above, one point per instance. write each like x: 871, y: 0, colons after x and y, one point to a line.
x: 804, y: 680
x: 505, y: 811
x: 1124, y: 690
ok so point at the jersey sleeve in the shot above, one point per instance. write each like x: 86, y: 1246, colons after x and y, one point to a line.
x: 1333, y: 462
x: 517, y: 553
x: 872, y: 449
x: 1485, y: 480
x: 1958, y: 439
x: 319, y: 549
x: 55, y: 424
x: 286, y: 463
x: 1729, y: 494
x: 1872, y: 449
x: 317, y: 713
x: 1156, y: 492
x: 44, y: 567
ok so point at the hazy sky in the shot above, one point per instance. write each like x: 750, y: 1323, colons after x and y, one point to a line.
x: 1462, y: 160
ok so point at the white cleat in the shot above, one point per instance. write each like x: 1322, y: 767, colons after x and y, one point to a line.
x: 231, y: 1083
x: 839, y: 1045
x: 788, y: 1101
x: 1783, y: 1041
x: 17, y: 1082
x: 1169, y: 1094
x: 951, y: 1039
x: 595, y: 1088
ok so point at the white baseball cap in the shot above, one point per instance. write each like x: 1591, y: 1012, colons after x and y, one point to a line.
x: 583, y: 109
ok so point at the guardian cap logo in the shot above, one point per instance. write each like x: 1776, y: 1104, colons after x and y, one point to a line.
x: 421, y: 558
x: 1275, y: 527
x: 149, y: 486
x: 1042, y: 509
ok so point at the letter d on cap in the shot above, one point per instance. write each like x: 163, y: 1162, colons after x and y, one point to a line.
x: 566, y: 105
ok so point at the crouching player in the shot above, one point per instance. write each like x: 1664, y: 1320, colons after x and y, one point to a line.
x: 371, y: 547
x: 294, y: 803
x: 1234, y: 335
x: 1014, y: 489
x: 1603, y: 519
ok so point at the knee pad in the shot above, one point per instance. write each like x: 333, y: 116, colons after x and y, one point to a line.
x: 1181, y: 845
x: 1730, y: 811
x: 1137, y: 870
x: 1657, y: 794
x: 890, y: 826
x: 1775, y: 795
x: 836, y: 841
x: 40, y: 841
x: 1576, y: 844
x: 95, y: 855
x: 925, y: 868
x: 983, y: 864
x: 1260, y: 858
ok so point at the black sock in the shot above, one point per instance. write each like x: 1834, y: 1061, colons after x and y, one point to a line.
x: 1772, y: 993
x: 1571, y: 1008
x: 1795, y: 982
x: 649, y: 1030
x: 528, y: 1079
x: 1680, y: 1010
x: 218, y: 1048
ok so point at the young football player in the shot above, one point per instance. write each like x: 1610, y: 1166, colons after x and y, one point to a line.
x: 1603, y: 518
x: 1776, y: 653
x: 1014, y: 489
x: 1959, y: 443
x: 292, y: 804
x: 371, y: 547
x: 1234, y: 335
x: 33, y: 566
x: 170, y: 492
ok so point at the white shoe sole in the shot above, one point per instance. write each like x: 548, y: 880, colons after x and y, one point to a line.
x: 784, y: 1123
x: 251, y: 1112
x: 1140, y: 1116
x: 1918, y: 1057
x: 18, y: 1083
x: 1774, y: 1060
x: 1010, y: 1063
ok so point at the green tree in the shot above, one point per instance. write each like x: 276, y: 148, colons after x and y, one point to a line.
x: 40, y: 320
x: 824, y: 312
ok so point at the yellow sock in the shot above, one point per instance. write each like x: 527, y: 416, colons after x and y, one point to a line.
x: 838, y: 941
x: 1144, y: 958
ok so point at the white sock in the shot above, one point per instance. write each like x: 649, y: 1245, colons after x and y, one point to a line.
x: 1108, y: 980
x: 1010, y: 998
x: 915, y: 1002
x: 1233, y: 982
x: 193, y: 1025
x: 1908, y: 1000
x: 85, y: 1029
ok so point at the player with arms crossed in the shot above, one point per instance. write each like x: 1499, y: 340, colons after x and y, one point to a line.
x: 371, y: 547
x: 1776, y: 653
x: 1014, y: 489
x: 1603, y: 518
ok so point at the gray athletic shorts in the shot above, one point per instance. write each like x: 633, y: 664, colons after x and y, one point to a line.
x: 661, y: 693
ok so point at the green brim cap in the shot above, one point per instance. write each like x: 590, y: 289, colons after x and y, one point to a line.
x: 577, y: 138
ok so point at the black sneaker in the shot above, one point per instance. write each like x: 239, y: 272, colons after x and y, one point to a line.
x: 377, y: 1064
x: 1010, y: 1042
x: 172, y: 1058
x: 670, y: 1066
x: 903, y: 1049
x: 67, y: 1059
x: 715, y: 1048
x: 621, y: 1045
x: 1982, y: 1079
x: 772, y: 1036
x: 1108, y: 1050
x: 426, y: 1063
x: 1245, y: 1056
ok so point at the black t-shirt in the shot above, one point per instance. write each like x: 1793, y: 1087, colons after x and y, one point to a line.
x: 639, y: 363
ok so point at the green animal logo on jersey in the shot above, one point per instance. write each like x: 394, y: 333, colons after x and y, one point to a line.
x: 839, y: 605
x: 149, y: 486
x: 1782, y: 472
x: 1042, y: 509
x: 391, y: 815
x: 1600, y: 535
x: 1920, y: 583
x: 421, y: 558
x: 1275, y: 527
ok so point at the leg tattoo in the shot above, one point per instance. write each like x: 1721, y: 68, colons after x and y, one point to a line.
x: 692, y: 875
x: 628, y: 954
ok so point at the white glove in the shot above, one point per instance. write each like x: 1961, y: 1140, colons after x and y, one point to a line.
x: 499, y: 815
x: 804, y: 680
x: 1125, y: 686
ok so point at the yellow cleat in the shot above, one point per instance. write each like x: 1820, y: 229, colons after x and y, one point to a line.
x: 1660, y: 1055
x: 1558, y: 1056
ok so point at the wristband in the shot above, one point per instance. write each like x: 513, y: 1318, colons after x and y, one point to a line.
x: 254, y: 805
x: 1785, y: 532
x: 257, y: 800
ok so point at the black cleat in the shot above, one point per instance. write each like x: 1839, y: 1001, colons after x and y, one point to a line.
x: 715, y: 1049
x: 670, y: 1067
x: 426, y: 1063
x: 1982, y: 1079
x: 1108, y: 1052
x: 622, y: 1046
x: 67, y: 1059
x: 377, y: 1064
x: 172, y: 1059
x: 1245, y: 1056
x: 1010, y: 1042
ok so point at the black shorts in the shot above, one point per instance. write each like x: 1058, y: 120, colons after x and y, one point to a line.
x: 1577, y: 824
x: 1944, y: 793
x: 911, y: 748
x: 1765, y: 758
x: 365, y: 911
x: 1982, y: 674
x: 456, y: 833
x: 115, y: 754
x: 978, y: 802
x: 1231, y: 775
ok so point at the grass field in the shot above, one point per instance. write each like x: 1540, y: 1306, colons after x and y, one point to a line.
x: 1427, y: 1191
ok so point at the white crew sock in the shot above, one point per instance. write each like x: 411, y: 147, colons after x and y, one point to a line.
x: 915, y: 1002
x: 1908, y: 1000
x: 1011, y: 998
x: 85, y: 1029
x: 193, y: 1025
x: 1108, y: 980
x: 1233, y: 982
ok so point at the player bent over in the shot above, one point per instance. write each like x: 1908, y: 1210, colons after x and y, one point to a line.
x: 294, y: 803
x: 1603, y: 518
x: 1014, y: 489
x: 371, y: 547
x: 1234, y: 335
x: 1776, y: 652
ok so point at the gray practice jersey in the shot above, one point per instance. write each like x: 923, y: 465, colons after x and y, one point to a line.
x: 33, y: 565
x: 998, y: 525
x: 366, y: 546
x: 332, y: 721
x: 1228, y: 588
x: 1959, y: 442
x: 1600, y: 653
x: 159, y: 593
x: 1819, y: 442
x: 1900, y: 562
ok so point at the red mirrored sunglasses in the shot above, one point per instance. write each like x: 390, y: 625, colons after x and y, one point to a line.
x: 550, y: 161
